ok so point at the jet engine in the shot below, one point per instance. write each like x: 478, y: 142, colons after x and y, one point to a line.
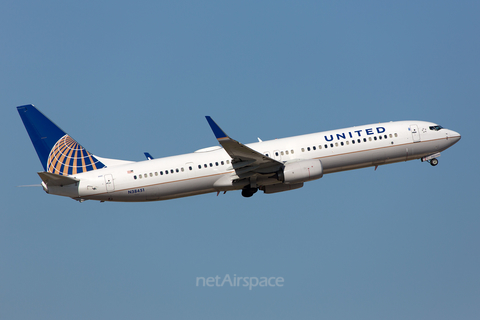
x: 301, y: 171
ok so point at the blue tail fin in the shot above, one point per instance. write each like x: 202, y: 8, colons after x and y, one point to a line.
x: 58, y: 152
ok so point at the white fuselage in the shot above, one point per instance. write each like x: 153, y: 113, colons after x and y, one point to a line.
x: 210, y: 170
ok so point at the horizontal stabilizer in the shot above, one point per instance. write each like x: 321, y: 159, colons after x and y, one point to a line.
x: 52, y: 179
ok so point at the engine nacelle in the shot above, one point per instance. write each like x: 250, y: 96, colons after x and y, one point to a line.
x: 301, y: 171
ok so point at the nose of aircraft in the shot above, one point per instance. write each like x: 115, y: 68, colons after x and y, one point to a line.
x: 453, y: 135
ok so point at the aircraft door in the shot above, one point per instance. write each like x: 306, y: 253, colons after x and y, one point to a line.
x: 109, y: 183
x: 415, y: 133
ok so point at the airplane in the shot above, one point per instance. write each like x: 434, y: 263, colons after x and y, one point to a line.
x: 270, y: 166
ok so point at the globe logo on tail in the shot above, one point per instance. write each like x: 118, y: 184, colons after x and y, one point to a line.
x: 68, y: 157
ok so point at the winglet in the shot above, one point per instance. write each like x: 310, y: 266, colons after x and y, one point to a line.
x: 148, y: 156
x: 245, y: 157
x: 219, y: 133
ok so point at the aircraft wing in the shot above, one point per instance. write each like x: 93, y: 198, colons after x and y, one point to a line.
x: 245, y: 160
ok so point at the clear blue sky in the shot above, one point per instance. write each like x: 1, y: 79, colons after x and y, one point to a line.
x: 127, y: 77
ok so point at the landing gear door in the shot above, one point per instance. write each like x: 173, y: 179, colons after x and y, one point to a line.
x: 109, y: 183
x: 415, y: 133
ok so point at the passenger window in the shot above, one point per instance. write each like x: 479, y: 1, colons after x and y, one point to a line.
x: 341, y: 143
x: 140, y: 176
x: 216, y: 164
x: 222, y: 163
x: 166, y: 171
x: 326, y: 146
x: 336, y: 144
x: 281, y: 152
x: 319, y: 147
x: 303, y: 149
x: 135, y: 177
x: 145, y: 175
x: 391, y: 136
x: 161, y: 173
x: 308, y: 148
x: 228, y: 161
x: 375, y: 138
x: 205, y: 165
x: 314, y: 148
x: 331, y: 145
x: 353, y: 141
x: 364, y: 139
x: 211, y: 164
x: 385, y: 136
x: 292, y: 151
x: 347, y: 142
x: 276, y: 153
x: 190, y: 168
x: 156, y: 174
x: 176, y: 170
x: 151, y: 174
x: 199, y: 166
x: 286, y: 152
x: 396, y: 135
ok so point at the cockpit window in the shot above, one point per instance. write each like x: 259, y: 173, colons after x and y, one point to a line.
x: 436, y: 128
